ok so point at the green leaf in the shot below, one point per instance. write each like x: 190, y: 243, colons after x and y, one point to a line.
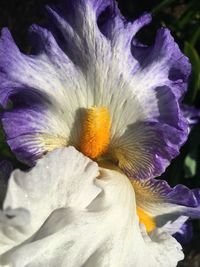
x: 191, y: 52
x: 161, y: 5
x: 195, y: 36
x: 190, y: 166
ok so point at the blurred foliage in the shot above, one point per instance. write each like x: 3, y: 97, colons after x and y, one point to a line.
x: 183, y: 18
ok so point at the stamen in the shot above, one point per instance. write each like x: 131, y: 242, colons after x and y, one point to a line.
x: 146, y: 219
x: 95, y: 134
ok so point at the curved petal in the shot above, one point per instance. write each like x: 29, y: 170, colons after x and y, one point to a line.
x: 43, y: 112
x: 91, y: 58
x: 65, y: 212
x: 159, y: 93
x: 60, y: 179
x: 169, y: 207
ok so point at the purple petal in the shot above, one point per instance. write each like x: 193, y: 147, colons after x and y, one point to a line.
x: 152, y: 144
x: 170, y: 207
x: 178, y: 195
x: 24, y: 123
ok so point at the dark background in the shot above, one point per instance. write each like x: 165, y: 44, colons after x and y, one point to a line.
x: 183, y: 18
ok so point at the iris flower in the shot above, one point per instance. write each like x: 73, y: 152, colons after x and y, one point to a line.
x: 106, y: 111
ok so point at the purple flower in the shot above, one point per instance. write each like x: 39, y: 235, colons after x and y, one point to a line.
x: 90, y: 60
x: 115, y: 104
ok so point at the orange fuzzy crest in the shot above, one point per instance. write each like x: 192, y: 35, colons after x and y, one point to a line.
x: 146, y: 219
x: 95, y: 134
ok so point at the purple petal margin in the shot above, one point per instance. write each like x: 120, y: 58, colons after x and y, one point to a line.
x: 179, y: 195
x: 58, y: 48
x: 170, y: 207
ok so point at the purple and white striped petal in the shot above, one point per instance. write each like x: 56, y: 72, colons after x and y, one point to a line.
x: 90, y: 57
x: 170, y: 207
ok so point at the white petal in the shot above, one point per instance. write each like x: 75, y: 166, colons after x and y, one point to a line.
x: 76, y: 223
x: 61, y: 179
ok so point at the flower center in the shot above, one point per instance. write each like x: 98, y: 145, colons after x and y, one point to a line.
x: 95, y: 135
x: 146, y: 219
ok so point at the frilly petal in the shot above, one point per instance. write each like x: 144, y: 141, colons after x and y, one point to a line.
x: 90, y: 57
x: 57, y: 180
x: 67, y: 211
x: 170, y: 207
